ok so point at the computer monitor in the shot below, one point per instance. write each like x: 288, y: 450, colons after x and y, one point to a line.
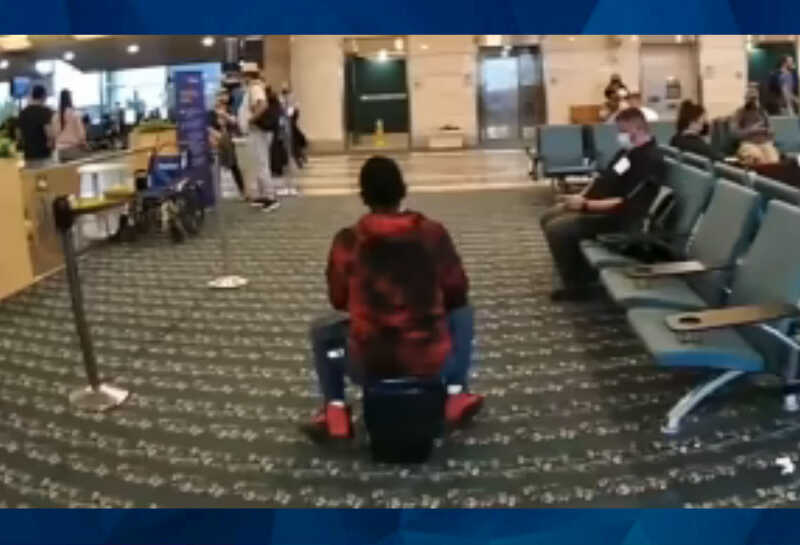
x: 20, y: 87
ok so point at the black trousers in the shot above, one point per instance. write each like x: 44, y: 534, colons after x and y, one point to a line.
x: 564, y: 230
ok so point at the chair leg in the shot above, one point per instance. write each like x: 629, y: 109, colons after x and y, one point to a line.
x: 688, y: 402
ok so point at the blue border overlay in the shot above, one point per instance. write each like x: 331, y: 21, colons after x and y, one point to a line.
x: 403, y: 17
x: 399, y: 527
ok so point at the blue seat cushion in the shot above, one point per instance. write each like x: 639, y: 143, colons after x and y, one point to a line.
x: 659, y: 292
x: 718, y: 349
x: 599, y: 256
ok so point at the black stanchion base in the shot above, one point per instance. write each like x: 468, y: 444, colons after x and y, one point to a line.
x: 103, y: 398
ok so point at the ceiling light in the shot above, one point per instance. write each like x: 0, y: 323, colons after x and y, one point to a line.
x: 14, y: 42
x: 494, y: 39
x: 572, y: 38
x: 44, y: 67
x: 3, y: 64
x: 383, y: 55
x: 208, y: 41
x: 424, y: 47
x: 69, y: 55
x: 398, y: 44
x: 679, y: 38
x: 635, y: 38
x: 133, y: 49
x: 88, y: 36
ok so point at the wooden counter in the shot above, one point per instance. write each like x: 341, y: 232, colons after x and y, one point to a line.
x: 30, y: 246
x: 16, y: 271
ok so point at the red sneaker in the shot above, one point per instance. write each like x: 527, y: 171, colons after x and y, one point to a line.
x: 331, y: 422
x: 460, y: 408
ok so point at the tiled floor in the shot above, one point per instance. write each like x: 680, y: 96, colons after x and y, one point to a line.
x: 220, y: 380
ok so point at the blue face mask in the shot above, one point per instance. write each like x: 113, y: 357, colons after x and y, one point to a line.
x: 624, y: 140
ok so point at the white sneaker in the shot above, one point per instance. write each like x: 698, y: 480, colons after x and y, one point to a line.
x: 282, y: 192
x: 274, y: 205
x: 294, y: 192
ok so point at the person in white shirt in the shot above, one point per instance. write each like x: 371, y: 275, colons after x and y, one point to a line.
x: 635, y: 101
x: 259, y: 139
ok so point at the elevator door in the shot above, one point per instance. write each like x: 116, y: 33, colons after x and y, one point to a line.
x: 511, y: 101
x: 500, y: 98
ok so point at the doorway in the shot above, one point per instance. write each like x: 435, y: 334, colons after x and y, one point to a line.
x: 376, y: 95
x: 669, y: 75
x: 511, y: 100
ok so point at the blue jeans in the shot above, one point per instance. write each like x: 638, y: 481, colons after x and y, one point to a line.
x: 332, y: 362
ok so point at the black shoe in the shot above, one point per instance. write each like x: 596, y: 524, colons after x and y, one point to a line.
x: 579, y: 293
x: 270, y: 205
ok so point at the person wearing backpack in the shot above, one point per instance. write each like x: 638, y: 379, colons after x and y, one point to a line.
x: 254, y: 120
x: 402, y: 295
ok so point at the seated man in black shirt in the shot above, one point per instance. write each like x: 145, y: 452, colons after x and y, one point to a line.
x: 34, y: 127
x: 617, y: 200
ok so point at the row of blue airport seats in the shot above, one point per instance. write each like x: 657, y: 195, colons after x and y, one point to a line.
x: 786, y: 129
x: 580, y: 150
x: 727, y: 302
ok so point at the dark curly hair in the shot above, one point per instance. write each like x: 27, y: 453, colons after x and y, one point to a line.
x: 381, y: 182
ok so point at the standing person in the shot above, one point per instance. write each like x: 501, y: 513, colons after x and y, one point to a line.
x: 279, y: 156
x: 693, y: 130
x: 221, y: 126
x: 616, y: 89
x: 784, y: 87
x: 254, y: 121
x: 299, y: 142
x: 398, y: 277
x: 35, y: 129
x: 68, y: 130
x: 750, y: 126
x: 287, y: 134
x: 617, y: 200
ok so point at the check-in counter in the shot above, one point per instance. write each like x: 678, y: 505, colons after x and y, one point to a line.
x: 31, y: 247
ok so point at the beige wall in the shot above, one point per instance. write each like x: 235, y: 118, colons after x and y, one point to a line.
x: 577, y: 70
x: 443, y: 88
x: 317, y: 80
x: 277, y: 61
x: 723, y: 73
x: 441, y: 81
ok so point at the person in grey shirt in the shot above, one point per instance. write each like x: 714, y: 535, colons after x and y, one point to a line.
x: 750, y: 126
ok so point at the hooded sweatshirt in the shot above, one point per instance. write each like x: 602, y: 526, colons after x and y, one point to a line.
x: 397, y: 275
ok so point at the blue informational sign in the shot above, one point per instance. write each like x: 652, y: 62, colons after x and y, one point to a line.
x: 192, y: 130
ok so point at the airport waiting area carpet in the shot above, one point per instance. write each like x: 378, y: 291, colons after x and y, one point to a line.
x: 220, y: 381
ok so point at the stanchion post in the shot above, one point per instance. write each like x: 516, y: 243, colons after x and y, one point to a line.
x: 227, y: 280
x: 97, y: 396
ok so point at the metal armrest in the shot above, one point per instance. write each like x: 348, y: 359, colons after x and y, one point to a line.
x: 677, y: 268
x: 705, y: 320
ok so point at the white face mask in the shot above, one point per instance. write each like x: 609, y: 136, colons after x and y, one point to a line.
x: 624, y: 140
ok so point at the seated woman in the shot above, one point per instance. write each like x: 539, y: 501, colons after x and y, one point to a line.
x: 692, y: 131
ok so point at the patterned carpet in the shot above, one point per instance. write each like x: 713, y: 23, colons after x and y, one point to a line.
x: 220, y: 381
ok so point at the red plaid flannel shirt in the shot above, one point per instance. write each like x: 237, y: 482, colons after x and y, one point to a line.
x: 397, y: 275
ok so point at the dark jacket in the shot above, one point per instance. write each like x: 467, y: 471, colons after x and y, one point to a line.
x: 694, y: 143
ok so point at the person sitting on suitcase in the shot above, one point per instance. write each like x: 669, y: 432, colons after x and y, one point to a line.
x: 401, y: 292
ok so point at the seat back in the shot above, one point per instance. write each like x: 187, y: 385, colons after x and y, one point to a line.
x: 691, y: 190
x: 723, y: 233
x: 770, y: 273
x: 403, y: 416
x: 606, y: 145
x: 670, y: 151
x: 699, y: 161
x: 772, y: 189
x: 722, y: 140
x: 561, y: 145
x: 787, y: 133
x: 663, y: 131
x: 732, y: 173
